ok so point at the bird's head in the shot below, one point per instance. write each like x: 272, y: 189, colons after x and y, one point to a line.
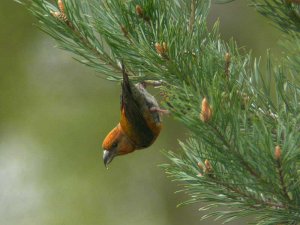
x: 116, y: 143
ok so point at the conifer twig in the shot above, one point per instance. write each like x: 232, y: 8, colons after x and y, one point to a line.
x: 247, y: 195
x: 62, y: 16
x: 192, y: 16
x: 280, y: 172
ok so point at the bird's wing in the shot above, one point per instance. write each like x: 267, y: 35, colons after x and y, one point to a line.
x: 133, y: 122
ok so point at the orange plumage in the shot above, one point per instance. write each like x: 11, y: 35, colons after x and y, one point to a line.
x: 140, y: 122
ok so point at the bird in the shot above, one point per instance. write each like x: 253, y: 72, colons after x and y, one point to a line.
x: 140, y: 122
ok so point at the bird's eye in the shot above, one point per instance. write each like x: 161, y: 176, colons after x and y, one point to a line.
x: 115, y: 144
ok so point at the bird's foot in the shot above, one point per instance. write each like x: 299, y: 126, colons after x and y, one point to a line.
x: 153, y: 83
x: 159, y: 110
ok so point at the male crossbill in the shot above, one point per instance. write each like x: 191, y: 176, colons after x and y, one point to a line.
x: 140, y: 122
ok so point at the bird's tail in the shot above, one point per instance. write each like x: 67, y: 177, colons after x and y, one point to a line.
x: 126, y: 83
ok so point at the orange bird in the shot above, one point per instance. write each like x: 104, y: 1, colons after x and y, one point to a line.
x: 140, y: 122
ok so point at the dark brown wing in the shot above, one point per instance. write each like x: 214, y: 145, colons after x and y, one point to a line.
x: 133, y: 122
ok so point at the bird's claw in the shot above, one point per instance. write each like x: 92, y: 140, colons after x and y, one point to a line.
x: 159, y: 110
x: 153, y: 83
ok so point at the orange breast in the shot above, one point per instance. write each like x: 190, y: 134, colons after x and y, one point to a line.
x: 142, y: 134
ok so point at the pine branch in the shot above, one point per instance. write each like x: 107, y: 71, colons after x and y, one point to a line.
x: 280, y: 172
x: 284, y: 13
x: 84, y: 41
x: 192, y: 17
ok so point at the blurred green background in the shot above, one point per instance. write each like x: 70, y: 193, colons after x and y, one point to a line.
x: 54, y: 113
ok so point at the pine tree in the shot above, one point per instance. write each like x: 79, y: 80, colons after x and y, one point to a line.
x: 243, y: 150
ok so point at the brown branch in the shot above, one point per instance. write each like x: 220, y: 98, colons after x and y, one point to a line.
x: 246, y: 195
x: 237, y: 154
x: 192, y: 17
x: 227, y: 64
x: 281, y: 179
x: 83, y: 40
x: 87, y: 44
x: 293, y: 1
x: 243, y: 162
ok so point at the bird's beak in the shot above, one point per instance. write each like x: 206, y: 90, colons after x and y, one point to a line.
x: 108, y: 157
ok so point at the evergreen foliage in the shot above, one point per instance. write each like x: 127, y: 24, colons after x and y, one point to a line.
x: 243, y: 152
